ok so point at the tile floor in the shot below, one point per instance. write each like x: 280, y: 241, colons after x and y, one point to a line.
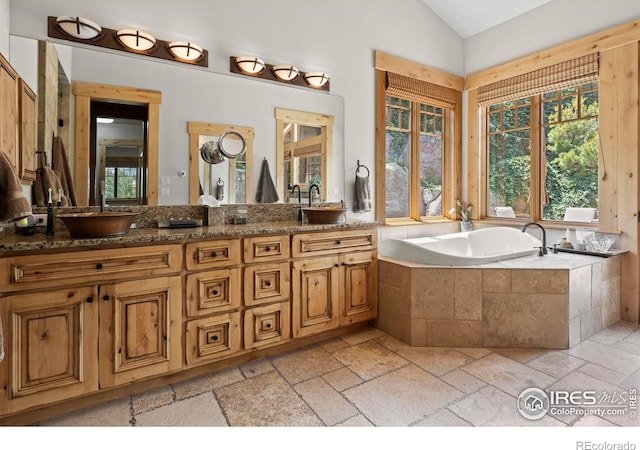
x: 371, y: 379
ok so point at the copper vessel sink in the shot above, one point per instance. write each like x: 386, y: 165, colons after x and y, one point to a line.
x: 98, y: 224
x: 324, y: 214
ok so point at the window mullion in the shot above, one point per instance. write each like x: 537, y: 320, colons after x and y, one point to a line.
x: 414, y: 181
x: 538, y: 161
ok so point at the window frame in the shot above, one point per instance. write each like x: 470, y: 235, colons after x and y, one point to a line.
x: 452, y: 152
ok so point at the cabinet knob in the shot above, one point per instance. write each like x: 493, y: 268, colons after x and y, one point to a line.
x: 336, y: 265
x: 215, y: 292
x: 99, y: 266
x: 90, y: 300
x: 268, y: 249
x: 338, y: 242
x: 267, y: 283
x: 214, y: 254
x: 105, y: 298
x: 215, y: 338
x: 268, y: 325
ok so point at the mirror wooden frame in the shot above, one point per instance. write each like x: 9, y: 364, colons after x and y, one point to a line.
x: 325, y: 122
x: 197, y: 129
x: 85, y: 93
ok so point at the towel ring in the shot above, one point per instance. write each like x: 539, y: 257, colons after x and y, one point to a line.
x: 362, y: 166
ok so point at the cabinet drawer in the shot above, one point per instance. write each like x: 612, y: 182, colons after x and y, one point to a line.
x: 267, y: 325
x: 213, y: 338
x: 326, y: 243
x: 266, y: 283
x: 211, y: 254
x: 38, y: 271
x: 269, y: 248
x: 213, y: 291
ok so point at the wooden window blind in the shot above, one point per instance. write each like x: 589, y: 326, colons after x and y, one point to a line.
x: 568, y: 73
x: 420, y: 91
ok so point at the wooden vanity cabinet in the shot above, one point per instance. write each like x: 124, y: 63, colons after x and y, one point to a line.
x: 335, y: 290
x: 27, y: 134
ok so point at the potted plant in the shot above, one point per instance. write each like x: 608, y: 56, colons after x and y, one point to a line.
x: 463, y: 211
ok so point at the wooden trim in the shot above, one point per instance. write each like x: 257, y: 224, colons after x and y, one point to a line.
x: 474, y: 173
x: 537, y: 168
x: 390, y: 63
x: 598, y: 42
x: 280, y: 158
x: 85, y: 92
x: 195, y: 130
x: 381, y: 152
x: 304, y: 118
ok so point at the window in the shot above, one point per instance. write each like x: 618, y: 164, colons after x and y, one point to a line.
x: 418, y: 141
x: 542, y: 143
x: 414, y: 149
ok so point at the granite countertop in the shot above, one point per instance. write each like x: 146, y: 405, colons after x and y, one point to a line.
x: 10, y: 242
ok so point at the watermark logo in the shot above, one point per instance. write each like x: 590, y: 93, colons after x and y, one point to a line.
x: 533, y: 403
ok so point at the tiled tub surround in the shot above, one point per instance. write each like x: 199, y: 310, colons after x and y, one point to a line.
x: 555, y: 301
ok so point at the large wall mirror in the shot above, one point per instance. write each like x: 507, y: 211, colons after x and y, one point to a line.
x: 304, y: 145
x: 220, y: 157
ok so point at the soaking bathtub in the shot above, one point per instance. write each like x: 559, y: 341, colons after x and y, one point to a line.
x: 463, y: 249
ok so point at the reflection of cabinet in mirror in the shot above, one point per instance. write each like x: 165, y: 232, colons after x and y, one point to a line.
x: 86, y: 175
x: 304, y: 145
x: 234, y: 174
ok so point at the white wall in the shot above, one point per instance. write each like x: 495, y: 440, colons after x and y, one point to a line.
x: 4, y: 27
x: 551, y: 24
x: 336, y: 36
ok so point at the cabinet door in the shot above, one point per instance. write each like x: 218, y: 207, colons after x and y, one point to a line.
x: 213, y: 291
x: 315, y: 295
x: 27, y: 134
x: 9, y: 112
x: 358, y: 297
x: 50, y: 341
x: 266, y: 325
x: 213, y: 338
x: 140, y: 329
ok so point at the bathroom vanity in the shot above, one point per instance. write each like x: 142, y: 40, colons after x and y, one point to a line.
x: 89, y: 320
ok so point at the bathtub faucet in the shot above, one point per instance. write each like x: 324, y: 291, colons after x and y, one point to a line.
x: 543, y: 250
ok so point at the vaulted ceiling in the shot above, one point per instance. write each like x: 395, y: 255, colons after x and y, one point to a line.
x: 469, y: 17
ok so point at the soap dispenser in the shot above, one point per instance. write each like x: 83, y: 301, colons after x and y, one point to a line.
x: 49, y: 231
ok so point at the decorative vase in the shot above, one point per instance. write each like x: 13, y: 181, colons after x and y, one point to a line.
x: 466, y: 226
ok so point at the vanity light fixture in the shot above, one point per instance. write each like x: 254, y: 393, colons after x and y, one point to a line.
x: 136, y: 40
x: 79, y: 27
x: 250, y: 64
x: 316, y: 79
x: 185, y: 51
x: 84, y: 31
x: 285, y: 72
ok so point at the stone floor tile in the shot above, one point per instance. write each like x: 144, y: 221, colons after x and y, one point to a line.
x: 593, y: 421
x: 393, y: 344
x: 370, y: 360
x: 401, y: 397
x: 207, y: 383
x: 632, y: 381
x: 462, y: 381
x: 522, y: 355
x: 443, y: 418
x: 305, y: 363
x: 475, y: 353
x: 256, y: 367
x: 614, y: 333
x: 152, y: 399
x: 627, y: 347
x: 602, y: 373
x: 264, y: 400
x: 492, y: 407
x: 556, y: 363
x: 606, y: 356
x: 199, y: 411
x: 436, y: 360
x: 633, y: 338
x: 326, y: 402
x: 356, y: 421
x: 342, y: 379
x: 362, y: 336
x: 333, y: 345
x: 507, y: 374
x: 116, y: 413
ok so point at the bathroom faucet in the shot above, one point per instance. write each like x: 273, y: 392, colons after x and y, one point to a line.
x: 311, y: 192
x: 543, y: 250
x: 103, y: 196
x: 293, y: 191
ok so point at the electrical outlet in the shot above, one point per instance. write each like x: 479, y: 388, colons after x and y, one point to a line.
x: 41, y: 220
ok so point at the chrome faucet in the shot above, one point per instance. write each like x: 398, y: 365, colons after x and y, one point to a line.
x: 103, y: 196
x: 311, y: 192
x: 543, y: 250
x: 293, y: 191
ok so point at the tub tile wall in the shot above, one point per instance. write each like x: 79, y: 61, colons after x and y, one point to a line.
x: 494, y: 307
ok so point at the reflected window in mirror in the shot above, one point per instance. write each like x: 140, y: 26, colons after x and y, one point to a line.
x: 215, y: 169
x: 304, y: 144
